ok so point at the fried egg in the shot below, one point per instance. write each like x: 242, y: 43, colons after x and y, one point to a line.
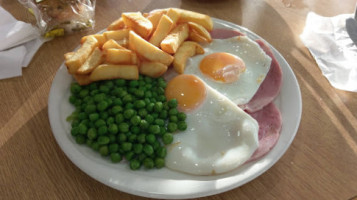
x: 220, y: 136
x: 235, y: 67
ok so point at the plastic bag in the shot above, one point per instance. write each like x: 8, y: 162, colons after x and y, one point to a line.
x: 60, y: 17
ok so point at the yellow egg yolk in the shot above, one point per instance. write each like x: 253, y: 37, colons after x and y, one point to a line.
x: 222, y: 67
x: 188, y: 90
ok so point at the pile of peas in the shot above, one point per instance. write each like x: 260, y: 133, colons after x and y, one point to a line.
x: 128, y: 119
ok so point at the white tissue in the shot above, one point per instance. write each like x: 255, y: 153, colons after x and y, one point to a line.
x: 334, y: 52
x: 19, y: 41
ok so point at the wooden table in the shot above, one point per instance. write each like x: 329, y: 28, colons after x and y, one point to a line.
x: 321, y: 163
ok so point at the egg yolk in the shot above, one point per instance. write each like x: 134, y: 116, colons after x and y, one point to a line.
x: 188, y: 90
x: 222, y: 67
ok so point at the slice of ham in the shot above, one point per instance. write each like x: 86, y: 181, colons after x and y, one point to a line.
x: 261, y: 107
x: 270, y: 87
x: 270, y: 122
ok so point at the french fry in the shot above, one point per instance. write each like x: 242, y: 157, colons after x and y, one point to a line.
x: 152, y: 69
x: 111, y: 44
x: 148, y: 50
x: 137, y: 22
x: 68, y: 55
x: 100, y: 37
x: 80, y: 56
x: 116, y: 35
x: 118, y: 56
x: 82, y: 79
x: 163, y: 28
x: 186, y: 50
x: 109, y: 71
x: 190, y: 16
x: 155, y: 17
x: 175, y: 38
x: 95, y: 59
x: 200, y: 30
x: 116, y: 25
x: 174, y: 14
x: 194, y: 36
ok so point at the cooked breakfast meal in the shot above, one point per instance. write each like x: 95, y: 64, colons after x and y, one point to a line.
x: 167, y: 88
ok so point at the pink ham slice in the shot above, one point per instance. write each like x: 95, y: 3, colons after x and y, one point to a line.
x: 270, y: 87
x: 270, y: 122
x: 260, y: 107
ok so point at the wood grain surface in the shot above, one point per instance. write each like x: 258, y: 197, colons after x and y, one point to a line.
x: 321, y: 163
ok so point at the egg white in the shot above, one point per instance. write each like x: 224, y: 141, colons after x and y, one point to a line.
x: 220, y: 137
x: 256, y: 61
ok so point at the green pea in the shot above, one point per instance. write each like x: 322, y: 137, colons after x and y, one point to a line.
x: 135, y: 129
x: 83, y: 93
x: 75, y: 131
x: 92, y: 133
x: 148, y: 149
x: 167, y: 138
x: 80, y: 139
x: 123, y: 127
x: 133, y: 83
x: 104, y: 89
x: 142, y: 112
x: 159, y: 122
x: 93, y: 117
x: 103, y: 140
x: 75, y: 88
x: 135, y: 120
x: 158, y: 106
x: 139, y: 93
x: 121, y: 137
x: 148, y: 94
x: 144, y: 124
x: 172, y: 103
x: 181, y: 116
x: 138, y: 148
x: 129, y: 113
x: 119, y: 118
x: 113, y: 129
x: 82, y: 129
x: 120, y: 82
x: 161, y: 152
x: 141, y: 138
x: 115, y: 157
x: 163, y: 114
x: 173, y: 118
x: 126, y: 146
x: 102, y: 130
x: 99, y: 97
x: 171, y: 127
x: 154, y: 129
x: 82, y: 115
x: 90, y: 108
x: 113, y: 148
x: 99, y: 123
x: 117, y: 102
x: 101, y: 106
x: 181, y: 125
x: 129, y: 155
x: 127, y: 98
x: 149, y: 118
x: 116, y: 109
x: 104, y: 150
x: 159, y: 163
x: 134, y: 164
x: 173, y: 111
x: 150, y: 138
x: 148, y: 163
x: 95, y: 146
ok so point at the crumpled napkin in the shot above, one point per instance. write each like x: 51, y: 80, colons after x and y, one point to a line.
x: 19, y: 41
x: 334, y: 51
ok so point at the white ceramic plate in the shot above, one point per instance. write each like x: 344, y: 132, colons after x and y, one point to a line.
x: 165, y: 183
